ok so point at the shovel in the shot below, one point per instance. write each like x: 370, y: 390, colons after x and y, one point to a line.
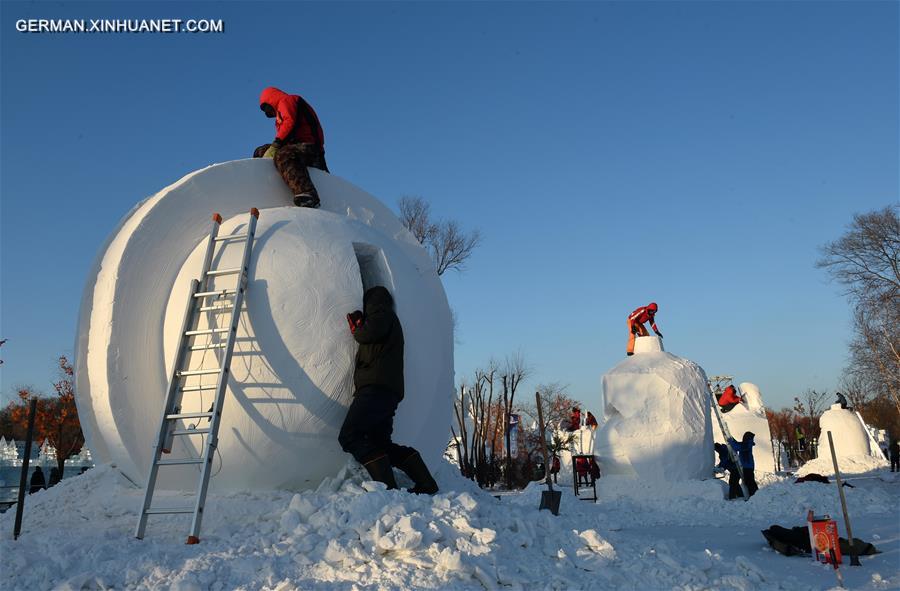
x: 549, y: 498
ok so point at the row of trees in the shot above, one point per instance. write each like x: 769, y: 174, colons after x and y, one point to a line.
x: 56, y: 418
x: 482, y: 436
x: 866, y: 262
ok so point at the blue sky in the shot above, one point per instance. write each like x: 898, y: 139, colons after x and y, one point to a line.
x: 693, y: 154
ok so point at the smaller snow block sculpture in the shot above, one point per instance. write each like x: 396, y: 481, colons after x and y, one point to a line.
x: 750, y: 415
x: 851, y: 439
x: 658, y: 424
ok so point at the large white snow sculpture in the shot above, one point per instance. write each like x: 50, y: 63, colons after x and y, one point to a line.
x: 657, y: 417
x: 293, y: 363
x: 750, y: 415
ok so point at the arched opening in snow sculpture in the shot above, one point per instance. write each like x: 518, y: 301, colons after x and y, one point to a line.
x: 292, y: 368
x: 373, y: 269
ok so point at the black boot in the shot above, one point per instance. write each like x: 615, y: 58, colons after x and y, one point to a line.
x: 306, y: 200
x: 416, y: 469
x: 380, y: 470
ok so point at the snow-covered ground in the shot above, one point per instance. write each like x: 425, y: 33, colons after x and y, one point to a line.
x: 351, y: 535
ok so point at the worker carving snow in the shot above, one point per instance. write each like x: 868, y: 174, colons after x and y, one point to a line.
x: 636, y: 322
x: 299, y: 142
x: 744, y: 449
x: 729, y: 398
x: 378, y: 380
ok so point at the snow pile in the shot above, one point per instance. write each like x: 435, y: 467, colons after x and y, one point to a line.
x: 657, y: 418
x: 854, y: 447
x: 352, y: 534
x: 750, y: 415
x: 292, y: 369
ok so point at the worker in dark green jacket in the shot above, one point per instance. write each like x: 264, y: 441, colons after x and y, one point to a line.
x: 378, y: 384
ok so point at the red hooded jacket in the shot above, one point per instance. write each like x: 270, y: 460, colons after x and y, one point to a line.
x: 295, y: 120
x: 729, y: 396
x: 642, y: 315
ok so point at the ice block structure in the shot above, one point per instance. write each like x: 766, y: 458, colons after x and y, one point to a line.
x: 657, y: 425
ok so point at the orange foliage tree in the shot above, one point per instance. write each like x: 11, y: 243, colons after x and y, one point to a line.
x: 56, y: 418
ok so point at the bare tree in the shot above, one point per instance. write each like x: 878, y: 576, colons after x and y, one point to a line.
x: 856, y: 390
x: 449, y: 246
x: 809, y: 407
x: 479, y: 418
x: 866, y: 261
x: 515, y: 370
x: 415, y: 215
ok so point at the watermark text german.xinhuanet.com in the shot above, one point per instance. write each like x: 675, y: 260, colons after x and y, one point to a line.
x: 160, y: 25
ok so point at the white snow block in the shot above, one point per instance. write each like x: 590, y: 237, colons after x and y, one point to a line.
x: 292, y: 369
x: 657, y: 418
x: 850, y: 436
x: 749, y: 416
x: 650, y: 344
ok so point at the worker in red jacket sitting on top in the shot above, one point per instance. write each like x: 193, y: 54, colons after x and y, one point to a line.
x: 299, y: 142
x: 636, y: 326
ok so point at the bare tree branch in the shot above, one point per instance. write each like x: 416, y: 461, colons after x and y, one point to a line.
x: 449, y: 246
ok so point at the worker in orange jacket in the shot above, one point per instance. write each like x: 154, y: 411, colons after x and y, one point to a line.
x: 636, y: 322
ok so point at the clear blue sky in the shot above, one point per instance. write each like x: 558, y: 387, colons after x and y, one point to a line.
x: 695, y: 154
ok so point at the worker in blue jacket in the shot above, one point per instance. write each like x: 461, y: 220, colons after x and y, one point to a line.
x: 744, y: 449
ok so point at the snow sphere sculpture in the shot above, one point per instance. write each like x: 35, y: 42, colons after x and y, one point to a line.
x: 657, y: 423
x: 750, y: 415
x: 292, y: 368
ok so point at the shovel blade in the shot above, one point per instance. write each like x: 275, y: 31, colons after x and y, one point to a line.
x: 550, y: 500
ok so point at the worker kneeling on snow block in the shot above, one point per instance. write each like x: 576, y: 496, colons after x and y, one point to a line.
x: 299, y: 142
x: 378, y: 383
x: 636, y: 326
x: 729, y: 398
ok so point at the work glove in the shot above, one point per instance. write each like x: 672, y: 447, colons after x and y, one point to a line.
x: 355, y: 320
x: 270, y: 153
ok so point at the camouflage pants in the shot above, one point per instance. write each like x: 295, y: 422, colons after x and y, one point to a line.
x: 291, y: 161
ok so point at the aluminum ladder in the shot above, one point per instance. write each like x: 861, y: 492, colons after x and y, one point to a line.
x: 735, y: 460
x: 203, y: 298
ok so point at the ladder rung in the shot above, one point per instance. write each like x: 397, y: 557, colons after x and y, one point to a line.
x: 231, y: 237
x: 216, y: 308
x: 166, y: 510
x: 198, y: 372
x: 224, y: 272
x: 221, y: 292
x: 198, y: 388
x: 180, y: 461
x: 188, y: 415
x: 189, y: 432
x: 192, y: 333
x: 204, y: 347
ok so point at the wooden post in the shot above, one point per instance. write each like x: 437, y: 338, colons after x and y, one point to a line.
x: 854, y: 558
x: 23, y: 480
